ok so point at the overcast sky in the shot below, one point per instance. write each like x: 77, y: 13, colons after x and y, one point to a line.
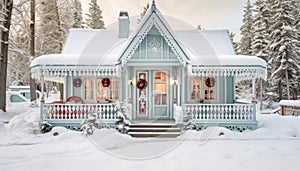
x: 210, y: 14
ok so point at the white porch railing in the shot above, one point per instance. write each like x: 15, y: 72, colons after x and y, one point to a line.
x: 221, y: 112
x: 78, y: 111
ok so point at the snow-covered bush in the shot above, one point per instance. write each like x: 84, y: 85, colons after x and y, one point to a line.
x: 178, y: 116
x: 89, y: 125
x: 188, y: 122
x: 45, y: 127
x: 123, y: 121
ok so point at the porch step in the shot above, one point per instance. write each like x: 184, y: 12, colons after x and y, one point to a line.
x: 147, y: 130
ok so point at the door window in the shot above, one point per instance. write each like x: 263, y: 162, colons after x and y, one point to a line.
x: 160, y: 88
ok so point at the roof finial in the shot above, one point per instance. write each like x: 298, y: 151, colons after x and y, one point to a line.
x: 153, y: 7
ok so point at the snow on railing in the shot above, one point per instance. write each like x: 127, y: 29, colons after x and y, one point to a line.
x: 78, y: 111
x: 221, y: 112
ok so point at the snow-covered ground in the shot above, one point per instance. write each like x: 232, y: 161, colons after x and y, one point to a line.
x: 275, y: 145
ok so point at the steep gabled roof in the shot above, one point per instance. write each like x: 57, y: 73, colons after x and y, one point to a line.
x: 154, y: 18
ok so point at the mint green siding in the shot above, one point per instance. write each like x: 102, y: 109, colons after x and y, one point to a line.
x: 230, y: 89
x: 154, y: 48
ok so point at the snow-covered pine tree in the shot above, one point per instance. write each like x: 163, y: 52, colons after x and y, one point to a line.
x: 145, y: 9
x: 77, y: 14
x: 284, y: 54
x: 260, y: 35
x: 260, y: 41
x: 235, y: 44
x: 65, y: 14
x: 19, y: 54
x: 246, y: 31
x: 295, y: 91
x: 50, y: 38
x: 5, y: 22
x: 94, y: 17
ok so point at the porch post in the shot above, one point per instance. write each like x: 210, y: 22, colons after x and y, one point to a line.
x: 254, y: 101
x: 182, y: 86
x: 42, y: 99
x: 253, y: 88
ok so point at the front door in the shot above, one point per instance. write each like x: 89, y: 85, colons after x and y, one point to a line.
x: 153, y: 94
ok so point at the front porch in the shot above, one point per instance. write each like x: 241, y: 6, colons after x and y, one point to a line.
x: 232, y: 116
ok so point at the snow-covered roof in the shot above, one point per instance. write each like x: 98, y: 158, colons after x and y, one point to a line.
x: 289, y: 103
x: 103, y: 47
x: 205, y: 42
x: 207, y: 52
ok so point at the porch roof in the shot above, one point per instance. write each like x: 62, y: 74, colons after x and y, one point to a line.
x: 240, y: 66
x: 61, y: 65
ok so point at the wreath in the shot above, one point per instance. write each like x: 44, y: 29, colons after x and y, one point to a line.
x: 210, y: 82
x: 105, y: 82
x: 141, y: 84
x: 77, y: 82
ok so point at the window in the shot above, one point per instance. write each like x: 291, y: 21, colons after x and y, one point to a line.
x: 94, y: 90
x: 209, y: 88
x: 16, y: 98
x: 196, y: 89
x: 89, y: 89
x: 203, y: 89
x: 101, y: 91
x: 114, y: 89
x: 160, y: 88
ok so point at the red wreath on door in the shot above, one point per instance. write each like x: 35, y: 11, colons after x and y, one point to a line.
x: 105, y: 82
x: 77, y: 82
x: 141, y: 84
x: 210, y: 82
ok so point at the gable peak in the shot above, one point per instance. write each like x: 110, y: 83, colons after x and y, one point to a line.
x: 153, y: 7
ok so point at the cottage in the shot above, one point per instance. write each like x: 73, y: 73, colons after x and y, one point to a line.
x: 154, y: 69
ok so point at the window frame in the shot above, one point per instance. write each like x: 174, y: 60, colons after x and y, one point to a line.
x: 202, y: 90
x: 108, y: 90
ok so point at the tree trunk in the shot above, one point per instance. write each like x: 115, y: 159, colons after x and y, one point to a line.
x: 7, y: 8
x: 280, y: 90
x: 287, y: 84
x: 32, y: 48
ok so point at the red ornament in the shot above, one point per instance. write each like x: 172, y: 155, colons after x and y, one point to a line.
x: 141, y: 84
x: 210, y: 82
x: 77, y: 82
x: 105, y: 82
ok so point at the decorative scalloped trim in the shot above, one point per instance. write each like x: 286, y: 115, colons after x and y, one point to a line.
x: 240, y: 73
x: 140, y: 37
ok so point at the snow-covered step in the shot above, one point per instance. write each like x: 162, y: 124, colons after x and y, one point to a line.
x: 154, y: 130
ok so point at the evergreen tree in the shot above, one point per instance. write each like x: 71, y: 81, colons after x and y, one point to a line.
x: 94, y: 20
x: 145, y: 9
x: 77, y: 15
x: 246, y: 31
x: 49, y: 32
x: 235, y: 44
x: 19, y: 54
x: 65, y: 15
x: 260, y: 43
x: 260, y: 34
x: 284, y: 36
